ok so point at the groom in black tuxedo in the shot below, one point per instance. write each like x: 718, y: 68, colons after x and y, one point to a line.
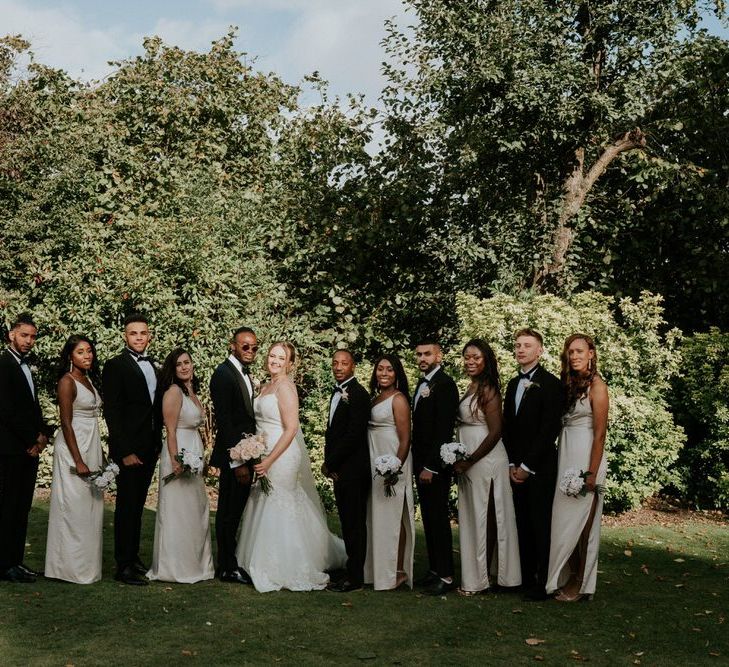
x: 435, y: 405
x: 22, y: 438
x: 532, y: 421
x: 232, y: 392
x: 133, y: 416
x: 347, y: 463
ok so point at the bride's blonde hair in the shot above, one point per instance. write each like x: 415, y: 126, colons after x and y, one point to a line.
x: 289, y: 349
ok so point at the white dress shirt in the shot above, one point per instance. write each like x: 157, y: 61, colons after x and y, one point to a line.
x: 249, y: 385
x: 336, y: 398
x: 427, y: 379
x: 148, y: 370
x: 25, y: 368
x: 520, y: 390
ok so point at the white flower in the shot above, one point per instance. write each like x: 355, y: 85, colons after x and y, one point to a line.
x: 387, y: 463
x: 192, y: 460
x: 113, y: 467
x: 572, y: 482
x: 449, y: 458
x: 345, y: 395
x: 100, y: 482
x: 425, y: 391
x: 452, y: 452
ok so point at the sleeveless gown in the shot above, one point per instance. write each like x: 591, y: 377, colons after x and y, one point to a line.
x: 491, y: 472
x: 284, y: 540
x: 182, y: 551
x: 386, y: 517
x: 570, y: 515
x: 75, y: 520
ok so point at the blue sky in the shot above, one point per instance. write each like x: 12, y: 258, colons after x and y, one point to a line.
x: 338, y: 38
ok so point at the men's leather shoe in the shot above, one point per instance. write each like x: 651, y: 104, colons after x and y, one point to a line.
x: 139, y: 567
x: 536, y: 595
x: 344, y: 587
x: 18, y: 576
x: 27, y: 570
x: 235, y: 577
x: 130, y: 576
x: 440, y: 587
x: 428, y: 579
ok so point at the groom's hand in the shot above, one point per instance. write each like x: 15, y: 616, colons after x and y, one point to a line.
x: 131, y: 461
x: 242, y: 474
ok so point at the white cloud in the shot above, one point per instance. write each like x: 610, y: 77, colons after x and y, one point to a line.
x: 187, y: 34
x: 60, y: 38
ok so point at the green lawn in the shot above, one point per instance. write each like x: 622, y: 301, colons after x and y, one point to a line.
x: 662, y: 599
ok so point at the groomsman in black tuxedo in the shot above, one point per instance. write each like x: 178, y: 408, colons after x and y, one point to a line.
x: 435, y: 405
x: 347, y: 463
x: 134, y: 419
x: 23, y: 435
x: 232, y: 392
x: 532, y: 421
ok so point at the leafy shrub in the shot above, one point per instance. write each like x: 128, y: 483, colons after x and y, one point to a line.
x: 701, y: 405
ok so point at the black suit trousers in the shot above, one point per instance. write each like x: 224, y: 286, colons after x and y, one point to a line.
x: 351, y: 496
x: 433, y: 499
x: 132, y: 486
x: 17, y: 484
x: 232, y: 498
x: 533, y: 509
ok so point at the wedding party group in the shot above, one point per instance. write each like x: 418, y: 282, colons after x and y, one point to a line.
x: 529, y: 469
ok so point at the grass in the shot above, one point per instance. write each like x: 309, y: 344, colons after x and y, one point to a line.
x: 661, y: 599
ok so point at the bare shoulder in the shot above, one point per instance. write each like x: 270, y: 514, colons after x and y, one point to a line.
x: 399, y: 401
x: 66, y: 383
x: 287, y: 387
x: 599, y: 388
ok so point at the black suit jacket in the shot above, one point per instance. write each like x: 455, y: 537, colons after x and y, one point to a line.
x: 21, y: 419
x: 233, y: 406
x: 434, y: 419
x: 346, y: 450
x: 134, y: 421
x: 529, y: 435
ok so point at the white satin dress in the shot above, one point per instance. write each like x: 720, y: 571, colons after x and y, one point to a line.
x: 76, y: 517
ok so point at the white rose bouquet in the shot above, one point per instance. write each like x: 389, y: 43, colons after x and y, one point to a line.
x: 192, y: 464
x: 573, y: 483
x: 100, y: 480
x: 251, y: 449
x: 451, y: 453
x: 388, y: 467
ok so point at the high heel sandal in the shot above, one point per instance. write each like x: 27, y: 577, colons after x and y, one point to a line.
x: 401, y: 578
x: 577, y: 597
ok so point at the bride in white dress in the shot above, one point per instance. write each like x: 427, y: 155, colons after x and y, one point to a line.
x: 284, y: 540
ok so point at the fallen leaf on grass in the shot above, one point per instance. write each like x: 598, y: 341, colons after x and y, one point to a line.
x: 533, y: 641
x: 679, y: 585
x: 714, y: 654
x: 644, y: 569
x: 628, y: 553
x: 679, y: 560
x: 366, y: 656
x: 499, y: 634
x: 696, y: 629
x: 539, y: 658
x: 516, y: 611
x: 346, y: 604
x: 188, y: 654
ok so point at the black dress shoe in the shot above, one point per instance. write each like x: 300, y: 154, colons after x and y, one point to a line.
x: 440, y: 587
x: 344, y: 587
x: 27, y: 570
x: 129, y: 575
x: 536, y: 595
x: 428, y: 579
x: 18, y: 576
x: 235, y: 577
x: 139, y: 567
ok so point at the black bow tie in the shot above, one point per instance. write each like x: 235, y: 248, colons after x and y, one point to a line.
x: 140, y: 357
x: 525, y: 376
x: 245, y: 370
x: 337, y: 389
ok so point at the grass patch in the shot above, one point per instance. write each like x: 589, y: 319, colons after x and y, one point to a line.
x: 662, y: 598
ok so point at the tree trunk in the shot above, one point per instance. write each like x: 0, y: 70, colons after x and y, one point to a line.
x: 576, y: 187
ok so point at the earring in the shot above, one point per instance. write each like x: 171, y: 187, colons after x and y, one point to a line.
x: 70, y: 370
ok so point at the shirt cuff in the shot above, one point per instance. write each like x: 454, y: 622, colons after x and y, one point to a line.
x: 236, y: 464
x: 429, y: 470
x: 523, y: 467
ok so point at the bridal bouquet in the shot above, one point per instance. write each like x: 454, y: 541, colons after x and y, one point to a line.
x: 251, y: 450
x: 100, y: 480
x: 192, y: 464
x: 573, y: 483
x: 388, y: 467
x: 451, y: 453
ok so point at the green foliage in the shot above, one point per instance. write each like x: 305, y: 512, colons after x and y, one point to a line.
x: 636, y: 360
x: 701, y: 405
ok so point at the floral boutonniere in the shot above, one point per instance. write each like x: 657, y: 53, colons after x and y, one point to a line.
x: 529, y: 384
x: 345, y: 394
x: 425, y: 391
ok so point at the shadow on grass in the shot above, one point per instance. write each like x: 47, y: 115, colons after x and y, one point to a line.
x: 662, y: 597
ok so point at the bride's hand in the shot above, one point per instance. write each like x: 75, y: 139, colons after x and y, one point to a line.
x: 262, y: 467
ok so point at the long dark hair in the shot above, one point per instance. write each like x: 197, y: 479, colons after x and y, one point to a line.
x: 401, y: 380
x: 64, y: 359
x: 168, y: 374
x: 575, y: 384
x: 488, y: 380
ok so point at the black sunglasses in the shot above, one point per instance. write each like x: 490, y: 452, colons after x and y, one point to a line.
x: 245, y: 347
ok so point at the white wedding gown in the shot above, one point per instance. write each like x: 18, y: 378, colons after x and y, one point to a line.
x: 284, y: 540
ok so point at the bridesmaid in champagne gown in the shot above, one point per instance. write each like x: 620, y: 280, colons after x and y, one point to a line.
x: 489, y: 542
x: 182, y: 551
x: 75, y: 520
x: 390, y: 520
x: 575, y: 540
